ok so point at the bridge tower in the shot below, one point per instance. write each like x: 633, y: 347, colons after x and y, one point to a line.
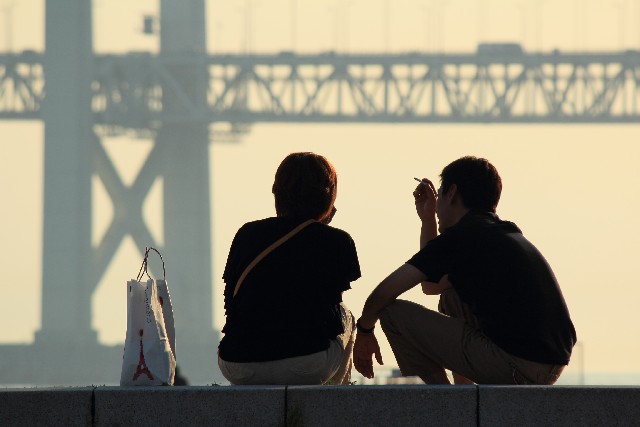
x: 72, y: 268
x: 184, y: 147
x: 67, y: 284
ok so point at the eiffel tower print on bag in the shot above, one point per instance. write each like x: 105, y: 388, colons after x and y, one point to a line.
x: 149, y: 347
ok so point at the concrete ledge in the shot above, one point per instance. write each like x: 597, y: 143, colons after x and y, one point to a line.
x: 559, y: 406
x: 397, y: 405
x: 389, y: 405
x: 190, y: 406
x: 46, y: 406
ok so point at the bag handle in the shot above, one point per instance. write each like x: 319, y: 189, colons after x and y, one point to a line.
x: 143, y: 267
x: 268, y: 251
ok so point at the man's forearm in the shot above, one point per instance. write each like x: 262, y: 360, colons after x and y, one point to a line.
x: 428, y: 231
x: 398, y: 282
x: 372, y: 308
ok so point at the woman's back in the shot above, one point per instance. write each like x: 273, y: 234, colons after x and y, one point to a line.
x: 287, y: 305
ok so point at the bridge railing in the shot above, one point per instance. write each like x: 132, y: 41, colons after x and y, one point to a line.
x: 21, y: 86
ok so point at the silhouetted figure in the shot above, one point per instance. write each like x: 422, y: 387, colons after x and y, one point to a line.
x: 286, y: 323
x: 505, y: 319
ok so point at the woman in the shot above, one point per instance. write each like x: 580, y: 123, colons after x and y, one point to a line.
x: 286, y: 323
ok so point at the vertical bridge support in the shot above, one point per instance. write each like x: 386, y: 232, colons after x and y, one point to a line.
x: 67, y: 285
x: 184, y: 144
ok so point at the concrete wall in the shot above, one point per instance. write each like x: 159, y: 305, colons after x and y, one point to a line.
x: 46, y: 407
x: 391, y: 405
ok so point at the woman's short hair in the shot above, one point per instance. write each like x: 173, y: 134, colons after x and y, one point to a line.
x: 478, y: 182
x: 305, y: 186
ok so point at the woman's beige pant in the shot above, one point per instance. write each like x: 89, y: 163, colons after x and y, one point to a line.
x: 331, y: 366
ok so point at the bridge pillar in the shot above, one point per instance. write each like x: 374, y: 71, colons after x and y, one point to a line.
x: 67, y: 284
x: 66, y: 346
x: 184, y: 144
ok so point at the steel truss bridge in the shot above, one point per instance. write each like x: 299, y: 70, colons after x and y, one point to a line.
x: 493, y: 87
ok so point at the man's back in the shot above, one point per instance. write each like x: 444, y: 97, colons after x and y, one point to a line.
x: 508, y: 285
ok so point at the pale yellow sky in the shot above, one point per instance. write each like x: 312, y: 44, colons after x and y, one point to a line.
x: 573, y: 189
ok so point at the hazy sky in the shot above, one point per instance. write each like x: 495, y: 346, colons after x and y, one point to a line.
x: 573, y: 189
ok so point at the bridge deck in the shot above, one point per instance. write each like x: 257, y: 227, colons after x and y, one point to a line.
x: 488, y: 86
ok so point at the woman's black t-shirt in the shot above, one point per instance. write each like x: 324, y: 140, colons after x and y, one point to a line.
x: 287, y: 305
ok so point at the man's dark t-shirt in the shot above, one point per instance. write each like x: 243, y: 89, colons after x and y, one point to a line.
x: 287, y: 305
x: 506, y: 282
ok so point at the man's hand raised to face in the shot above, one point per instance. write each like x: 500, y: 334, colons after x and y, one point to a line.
x: 365, y: 347
x: 425, y: 196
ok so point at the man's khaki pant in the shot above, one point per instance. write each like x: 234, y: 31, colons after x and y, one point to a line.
x: 426, y: 343
x: 331, y: 366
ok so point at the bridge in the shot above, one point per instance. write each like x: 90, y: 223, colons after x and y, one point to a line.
x: 182, y: 98
x: 496, y: 84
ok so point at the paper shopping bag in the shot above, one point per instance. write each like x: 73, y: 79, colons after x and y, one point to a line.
x: 148, y: 357
x: 167, y: 313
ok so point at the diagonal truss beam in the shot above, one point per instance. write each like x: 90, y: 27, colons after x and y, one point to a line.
x: 127, y: 206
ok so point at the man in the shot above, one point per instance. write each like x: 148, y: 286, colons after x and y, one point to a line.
x: 504, y: 319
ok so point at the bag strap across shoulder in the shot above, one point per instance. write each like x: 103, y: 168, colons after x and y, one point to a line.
x: 268, y: 250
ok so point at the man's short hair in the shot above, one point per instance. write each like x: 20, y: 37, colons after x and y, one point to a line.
x: 305, y: 186
x: 477, y: 180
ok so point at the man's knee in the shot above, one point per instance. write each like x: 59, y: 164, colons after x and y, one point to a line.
x: 391, y: 313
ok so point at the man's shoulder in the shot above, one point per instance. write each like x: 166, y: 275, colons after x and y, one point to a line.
x: 483, y: 222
